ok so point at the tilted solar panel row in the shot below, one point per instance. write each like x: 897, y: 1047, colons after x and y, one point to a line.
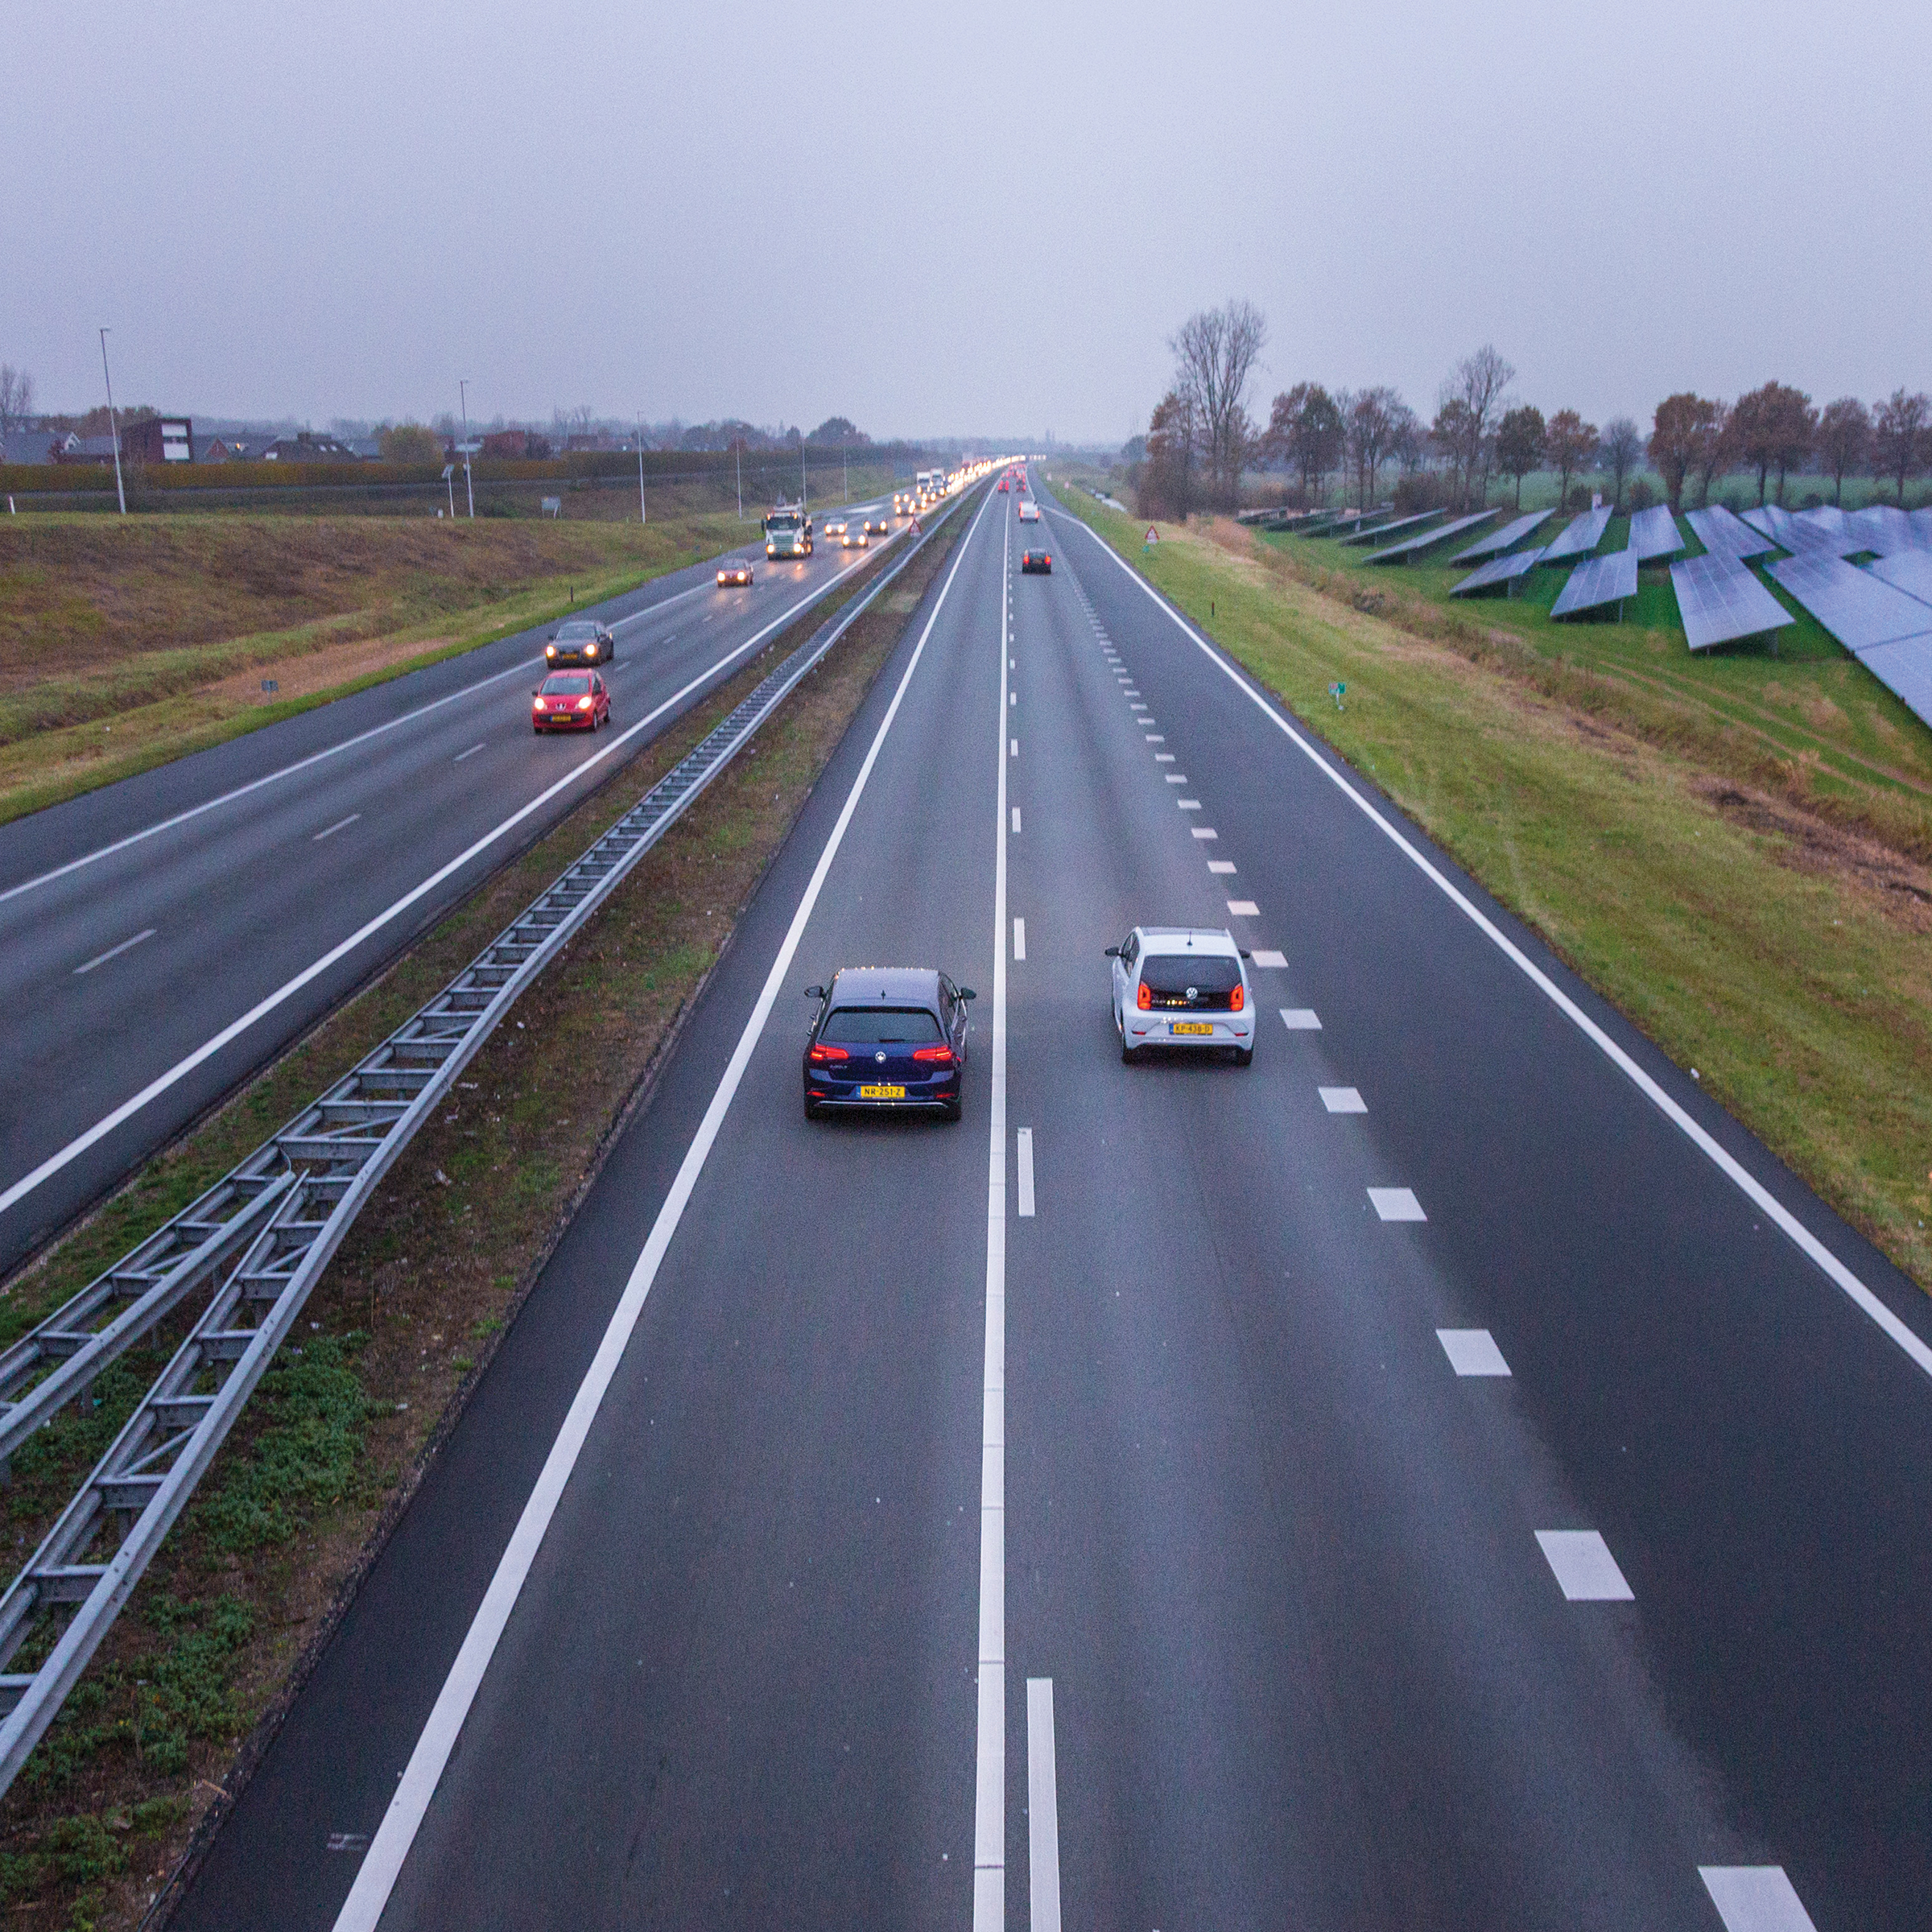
x: 1580, y: 538
x: 1721, y: 599
x: 1506, y: 538
x: 1410, y: 545
x: 1601, y: 580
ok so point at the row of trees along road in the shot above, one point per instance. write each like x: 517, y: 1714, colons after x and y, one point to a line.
x: 1201, y: 438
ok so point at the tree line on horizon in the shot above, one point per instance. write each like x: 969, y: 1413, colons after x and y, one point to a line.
x: 1200, y: 440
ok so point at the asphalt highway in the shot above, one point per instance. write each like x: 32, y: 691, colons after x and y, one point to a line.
x: 162, y: 938
x: 1413, y: 1480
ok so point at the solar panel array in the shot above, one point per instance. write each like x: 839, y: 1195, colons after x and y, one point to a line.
x: 1802, y: 537
x: 1907, y: 570
x: 1858, y: 609
x: 1410, y: 545
x: 1721, y: 532
x: 1888, y: 529
x: 1905, y: 668
x: 1498, y: 570
x: 1505, y: 538
x: 1601, y: 580
x: 1580, y: 538
x: 1383, y: 530
x: 1721, y: 599
x: 1653, y: 533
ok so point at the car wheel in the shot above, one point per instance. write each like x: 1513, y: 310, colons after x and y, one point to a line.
x: 955, y: 1110
x: 1129, y: 1054
x: 811, y: 1110
x: 1244, y: 1056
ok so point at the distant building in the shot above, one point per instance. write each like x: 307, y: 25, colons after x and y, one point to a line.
x: 31, y: 445
x: 305, y: 447
x: 157, y: 440
x: 83, y: 449
x: 517, y: 445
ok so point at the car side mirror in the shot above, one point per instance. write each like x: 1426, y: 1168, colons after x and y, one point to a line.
x: 538, y: 692
x: 966, y: 992
x: 814, y: 992
x: 1244, y: 953
x: 1114, y: 952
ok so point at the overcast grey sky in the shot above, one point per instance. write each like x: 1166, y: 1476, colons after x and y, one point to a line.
x: 936, y: 222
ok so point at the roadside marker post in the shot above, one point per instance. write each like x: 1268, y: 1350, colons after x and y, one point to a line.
x: 1337, y: 691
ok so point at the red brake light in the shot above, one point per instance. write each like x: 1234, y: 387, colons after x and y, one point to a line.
x: 821, y: 1054
x: 1237, y: 999
x: 941, y: 1056
x: 1144, y: 999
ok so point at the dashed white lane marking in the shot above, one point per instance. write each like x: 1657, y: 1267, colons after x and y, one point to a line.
x: 1014, y: 750
x: 1136, y: 707
x: 1473, y: 1352
x: 114, y: 953
x: 1208, y: 831
x: 328, y: 831
x: 1015, y: 820
x: 1266, y: 955
x: 1301, y: 1019
x: 1220, y: 865
x: 1175, y: 778
x: 1163, y: 757
x: 1584, y: 1568
x: 1043, y: 1807
x: 1754, y: 1898
x: 1188, y: 804
x: 1343, y: 1099
x: 1396, y: 1204
x: 1019, y: 938
x: 473, y: 751
x: 1153, y: 737
x: 1023, y: 1151
x: 1013, y: 697
x: 1244, y: 909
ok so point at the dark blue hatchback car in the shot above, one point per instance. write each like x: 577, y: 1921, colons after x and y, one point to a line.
x: 886, y: 1037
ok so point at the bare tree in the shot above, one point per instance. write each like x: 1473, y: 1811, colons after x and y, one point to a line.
x: 1479, y: 383
x: 1773, y: 428
x: 16, y: 403
x: 1844, y: 439
x: 1372, y: 418
x: 1900, y: 435
x: 1408, y: 440
x: 1215, y: 350
x: 1520, y: 440
x: 1621, y: 451
x: 1678, y: 431
x: 1570, y: 444
x: 1164, y: 486
x: 1455, y: 438
x: 1714, y: 449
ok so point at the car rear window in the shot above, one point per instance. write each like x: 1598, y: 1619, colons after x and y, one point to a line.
x: 564, y: 686
x: 1174, y: 972
x: 881, y: 1026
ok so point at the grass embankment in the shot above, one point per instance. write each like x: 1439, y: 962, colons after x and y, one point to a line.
x: 406, y: 1316
x: 1733, y: 851
x: 126, y: 643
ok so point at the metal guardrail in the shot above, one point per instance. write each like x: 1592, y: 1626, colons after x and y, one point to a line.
x: 257, y: 1241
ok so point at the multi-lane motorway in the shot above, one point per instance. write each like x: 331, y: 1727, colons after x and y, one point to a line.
x: 161, y: 939
x: 1424, y: 1479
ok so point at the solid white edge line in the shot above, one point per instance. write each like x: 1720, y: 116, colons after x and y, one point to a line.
x: 1734, y: 1171
x: 374, y: 1882
x: 328, y: 831
x: 1043, y: 1807
x: 990, y: 1782
x: 209, y: 1047
x: 519, y: 669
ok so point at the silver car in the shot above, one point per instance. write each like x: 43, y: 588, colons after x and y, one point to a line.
x: 1182, y: 987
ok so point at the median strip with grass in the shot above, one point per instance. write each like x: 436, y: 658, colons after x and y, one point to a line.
x: 1744, y: 877
x: 404, y: 1320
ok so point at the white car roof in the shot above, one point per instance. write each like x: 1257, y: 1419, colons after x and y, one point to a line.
x: 1188, y: 938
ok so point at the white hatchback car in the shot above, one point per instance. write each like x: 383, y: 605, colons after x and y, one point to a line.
x: 1182, y: 986
x: 1029, y: 510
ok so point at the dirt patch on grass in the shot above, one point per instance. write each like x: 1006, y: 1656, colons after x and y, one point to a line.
x: 231, y: 1614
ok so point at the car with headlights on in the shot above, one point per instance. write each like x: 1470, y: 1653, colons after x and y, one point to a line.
x: 854, y: 539
x: 886, y: 1039
x: 570, y: 701
x: 1183, y: 987
x: 737, y: 571
x: 877, y: 526
x: 835, y: 526
x: 1036, y: 563
x: 581, y: 640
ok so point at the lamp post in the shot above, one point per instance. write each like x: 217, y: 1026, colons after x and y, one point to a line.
x: 643, y: 514
x: 845, y: 465
x: 113, y: 428
x: 737, y: 444
x: 802, y: 493
x: 469, y: 481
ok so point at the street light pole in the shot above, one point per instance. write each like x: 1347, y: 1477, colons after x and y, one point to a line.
x: 845, y: 465
x: 643, y: 514
x: 469, y: 481
x: 113, y: 429
x: 738, y: 446
x: 804, y: 494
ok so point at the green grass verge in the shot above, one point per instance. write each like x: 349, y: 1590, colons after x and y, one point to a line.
x: 1667, y: 843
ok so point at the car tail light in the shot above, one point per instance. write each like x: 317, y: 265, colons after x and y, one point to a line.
x: 821, y: 1055
x: 585, y: 703
x: 1144, y: 999
x: 1237, y: 999
x: 939, y: 1056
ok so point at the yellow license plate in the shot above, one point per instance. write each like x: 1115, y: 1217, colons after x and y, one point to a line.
x: 1192, y: 1026
x: 881, y: 1093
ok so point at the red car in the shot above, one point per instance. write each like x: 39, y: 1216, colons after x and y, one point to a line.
x: 570, y: 701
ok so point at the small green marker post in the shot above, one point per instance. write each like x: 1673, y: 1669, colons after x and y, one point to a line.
x: 1336, y: 691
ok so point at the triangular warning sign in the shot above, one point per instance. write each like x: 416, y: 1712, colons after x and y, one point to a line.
x: 1153, y: 536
